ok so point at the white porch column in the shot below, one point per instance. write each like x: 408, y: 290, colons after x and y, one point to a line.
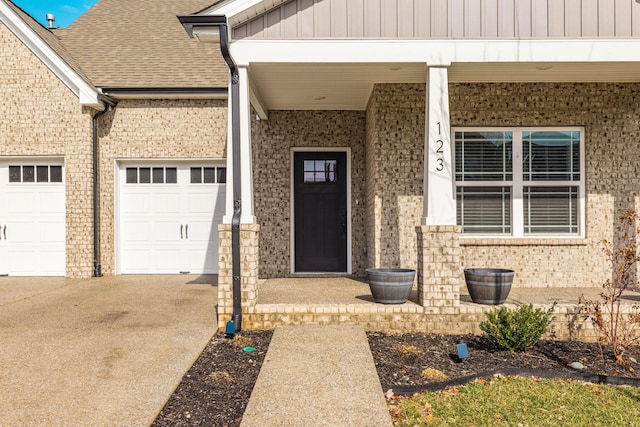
x: 246, y: 179
x: 439, y: 170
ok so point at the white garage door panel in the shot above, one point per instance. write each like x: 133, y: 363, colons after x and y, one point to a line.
x: 21, y: 202
x: 50, y: 232
x: 167, y: 231
x: 168, y: 261
x: 51, y: 202
x: 34, y: 216
x: 137, y: 261
x: 50, y: 260
x: 166, y: 203
x: 136, y: 231
x: 21, y: 232
x: 135, y: 202
x: 202, y: 231
x: 202, y: 203
x: 206, y: 260
x: 169, y: 227
x: 23, y: 261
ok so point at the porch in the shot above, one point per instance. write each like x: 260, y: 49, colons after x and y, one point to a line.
x: 342, y: 300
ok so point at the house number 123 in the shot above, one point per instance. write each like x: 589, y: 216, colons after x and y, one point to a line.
x: 439, y: 152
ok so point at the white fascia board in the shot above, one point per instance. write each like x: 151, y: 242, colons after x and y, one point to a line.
x: 86, y: 93
x: 238, y: 11
x: 233, y: 7
x: 435, y: 52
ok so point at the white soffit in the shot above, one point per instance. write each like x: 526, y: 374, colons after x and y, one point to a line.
x: 322, y: 86
x: 86, y: 93
x: 339, y: 74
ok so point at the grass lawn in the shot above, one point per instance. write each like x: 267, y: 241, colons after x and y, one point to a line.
x: 516, y: 401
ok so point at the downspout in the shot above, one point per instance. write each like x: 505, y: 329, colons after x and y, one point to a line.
x: 237, y: 198
x: 97, y: 267
x: 219, y: 22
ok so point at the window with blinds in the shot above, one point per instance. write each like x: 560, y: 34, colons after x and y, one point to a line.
x: 519, y: 181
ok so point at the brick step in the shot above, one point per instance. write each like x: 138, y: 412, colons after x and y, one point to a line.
x: 567, y: 324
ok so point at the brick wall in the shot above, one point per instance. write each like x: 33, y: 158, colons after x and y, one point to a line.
x: 610, y: 115
x: 395, y: 138
x: 43, y: 117
x: 395, y: 152
x: 567, y: 324
x: 272, y: 142
x: 154, y: 129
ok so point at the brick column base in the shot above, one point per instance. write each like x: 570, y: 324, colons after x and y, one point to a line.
x: 439, y: 270
x: 249, y: 257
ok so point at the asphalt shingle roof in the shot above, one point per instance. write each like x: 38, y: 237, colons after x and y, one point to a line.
x: 141, y: 44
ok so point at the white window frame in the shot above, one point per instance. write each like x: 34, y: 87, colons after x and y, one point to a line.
x: 517, y: 184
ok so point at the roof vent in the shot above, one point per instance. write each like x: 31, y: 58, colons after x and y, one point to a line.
x: 51, y: 17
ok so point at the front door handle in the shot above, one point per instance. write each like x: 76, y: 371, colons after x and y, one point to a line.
x: 180, y: 231
x: 186, y: 231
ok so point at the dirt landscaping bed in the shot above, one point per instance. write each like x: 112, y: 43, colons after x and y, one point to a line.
x: 412, y: 359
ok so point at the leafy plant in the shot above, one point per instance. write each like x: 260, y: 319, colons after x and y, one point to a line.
x: 615, y: 328
x: 516, y: 329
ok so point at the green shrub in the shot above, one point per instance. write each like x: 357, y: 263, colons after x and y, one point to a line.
x: 517, y: 329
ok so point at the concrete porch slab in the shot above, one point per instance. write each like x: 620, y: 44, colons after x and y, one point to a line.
x: 344, y: 290
x: 341, y: 300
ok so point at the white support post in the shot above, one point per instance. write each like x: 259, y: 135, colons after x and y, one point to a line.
x: 246, y: 179
x: 439, y: 174
x: 228, y: 209
x: 247, y: 216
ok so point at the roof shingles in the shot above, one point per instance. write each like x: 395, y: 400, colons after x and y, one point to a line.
x: 141, y: 43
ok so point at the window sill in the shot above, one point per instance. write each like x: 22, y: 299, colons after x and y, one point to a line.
x: 531, y: 241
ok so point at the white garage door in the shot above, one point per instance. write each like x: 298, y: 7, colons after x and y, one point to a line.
x: 32, y: 218
x: 169, y: 216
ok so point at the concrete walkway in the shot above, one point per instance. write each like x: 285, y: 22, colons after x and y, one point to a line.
x: 98, y: 352
x: 317, y: 376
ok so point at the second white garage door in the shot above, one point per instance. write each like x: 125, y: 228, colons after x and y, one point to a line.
x: 32, y: 217
x: 169, y: 216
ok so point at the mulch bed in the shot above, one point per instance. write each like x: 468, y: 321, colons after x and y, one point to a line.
x: 216, y: 390
x: 401, y: 359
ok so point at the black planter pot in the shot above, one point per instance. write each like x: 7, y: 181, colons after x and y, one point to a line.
x: 390, y: 285
x: 488, y: 285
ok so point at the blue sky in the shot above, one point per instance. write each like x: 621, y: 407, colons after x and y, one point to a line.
x: 66, y: 11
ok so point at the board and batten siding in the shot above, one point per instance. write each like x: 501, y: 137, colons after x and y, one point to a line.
x: 445, y: 19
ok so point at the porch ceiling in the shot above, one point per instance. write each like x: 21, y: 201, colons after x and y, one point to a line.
x: 331, y: 86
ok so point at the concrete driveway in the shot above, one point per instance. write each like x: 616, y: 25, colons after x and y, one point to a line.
x: 99, y: 352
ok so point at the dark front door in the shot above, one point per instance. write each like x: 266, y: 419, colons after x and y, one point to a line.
x: 320, y: 211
